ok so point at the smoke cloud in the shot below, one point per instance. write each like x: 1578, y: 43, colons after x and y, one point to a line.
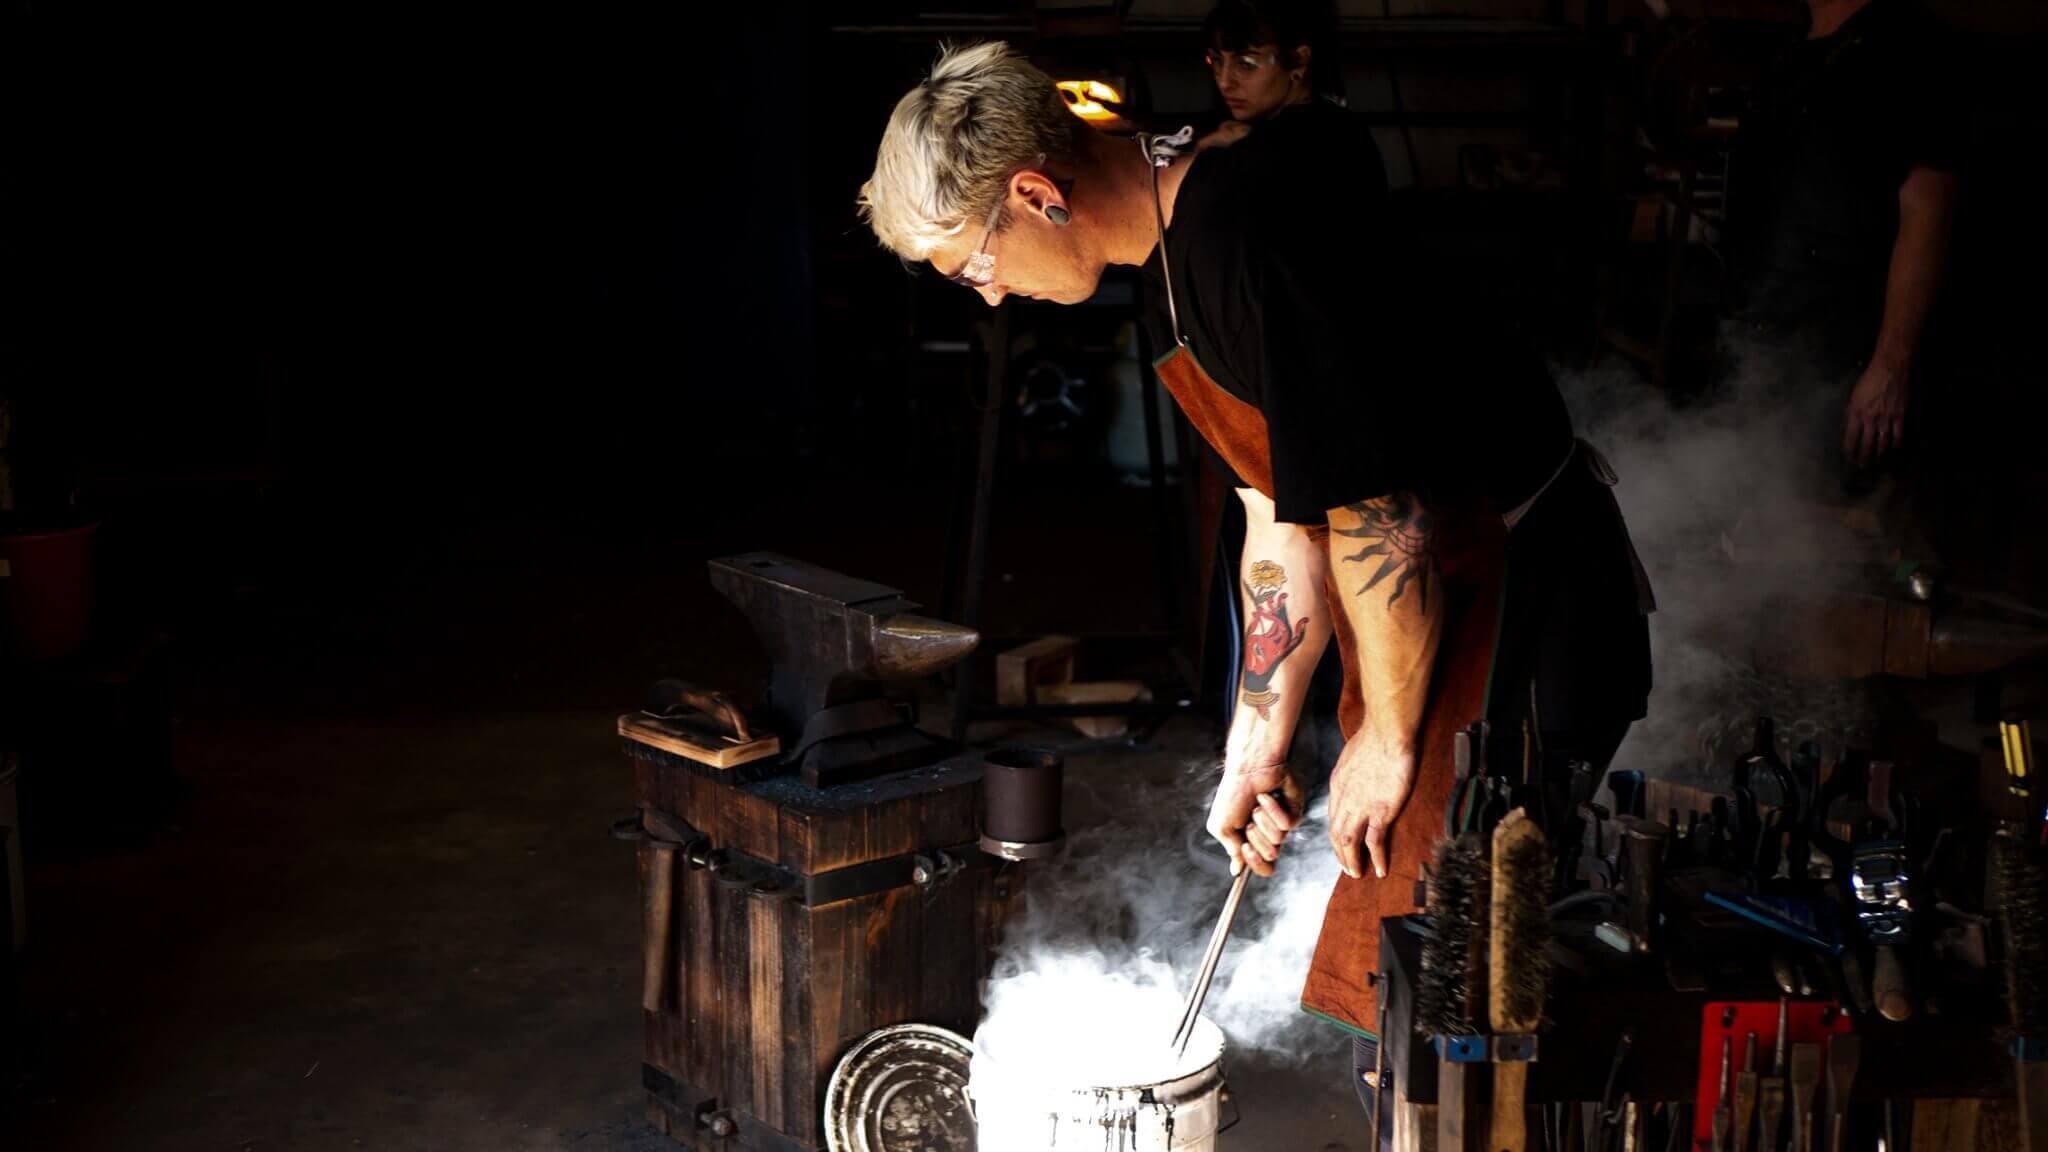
x: 1737, y: 510
x: 1097, y: 964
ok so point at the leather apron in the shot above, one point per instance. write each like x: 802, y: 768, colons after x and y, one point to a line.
x: 1471, y: 555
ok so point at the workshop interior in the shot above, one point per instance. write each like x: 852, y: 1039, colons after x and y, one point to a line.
x: 1140, y: 576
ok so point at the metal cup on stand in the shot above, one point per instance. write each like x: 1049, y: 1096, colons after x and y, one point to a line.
x: 1021, y: 790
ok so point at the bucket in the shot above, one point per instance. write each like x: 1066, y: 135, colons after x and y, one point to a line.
x: 46, y: 594
x: 1029, y: 1110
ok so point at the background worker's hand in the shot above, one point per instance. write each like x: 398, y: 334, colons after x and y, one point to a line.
x: 1250, y: 824
x: 1368, y: 789
x: 1874, y: 422
x: 1227, y: 133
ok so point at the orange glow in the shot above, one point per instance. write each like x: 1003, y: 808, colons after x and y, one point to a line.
x: 1086, y: 99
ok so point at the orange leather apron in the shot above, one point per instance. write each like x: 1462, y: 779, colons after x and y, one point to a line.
x: 1472, y: 559
x: 1472, y: 554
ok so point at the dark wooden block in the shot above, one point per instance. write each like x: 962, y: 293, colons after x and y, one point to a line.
x: 806, y: 932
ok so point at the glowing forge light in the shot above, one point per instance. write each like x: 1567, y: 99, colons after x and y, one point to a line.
x: 1090, y: 99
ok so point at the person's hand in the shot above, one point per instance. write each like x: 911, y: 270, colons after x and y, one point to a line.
x: 1368, y: 788
x: 1249, y: 823
x: 1875, y: 421
x: 1225, y: 134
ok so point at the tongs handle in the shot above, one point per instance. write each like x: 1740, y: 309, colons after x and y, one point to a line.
x: 668, y: 699
x: 1207, y: 972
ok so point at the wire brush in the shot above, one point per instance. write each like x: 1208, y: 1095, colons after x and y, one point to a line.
x: 1450, y: 999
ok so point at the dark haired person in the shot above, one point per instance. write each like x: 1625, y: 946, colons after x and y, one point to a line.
x: 1396, y: 464
x: 1275, y: 67
x: 1269, y: 55
x: 1842, y: 189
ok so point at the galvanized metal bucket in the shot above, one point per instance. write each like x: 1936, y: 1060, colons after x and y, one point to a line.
x: 1026, y: 1110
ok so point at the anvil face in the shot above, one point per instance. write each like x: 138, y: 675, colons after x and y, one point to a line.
x: 829, y: 637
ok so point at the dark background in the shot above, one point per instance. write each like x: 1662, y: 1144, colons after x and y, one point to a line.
x: 415, y: 359
x: 364, y: 289
x: 410, y: 273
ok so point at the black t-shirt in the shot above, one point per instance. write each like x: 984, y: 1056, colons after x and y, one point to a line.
x: 1294, y: 296
x: 1814, y: 186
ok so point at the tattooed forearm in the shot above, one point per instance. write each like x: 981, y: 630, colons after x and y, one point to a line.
x: 1395, y: 540
x: 1269, y: 635
x: 1283, y: 574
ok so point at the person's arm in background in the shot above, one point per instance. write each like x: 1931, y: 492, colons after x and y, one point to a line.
x: 1223, y: 135
x: 1287, y: 626
x: 1383, y: 555
x: 1875, y: 420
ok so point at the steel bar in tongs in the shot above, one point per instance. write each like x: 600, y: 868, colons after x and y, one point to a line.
x: 1207, y: 972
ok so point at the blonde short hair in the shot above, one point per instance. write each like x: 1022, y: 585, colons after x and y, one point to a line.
x: 955, y: 140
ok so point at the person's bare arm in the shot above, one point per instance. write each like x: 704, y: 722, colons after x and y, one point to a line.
x: 1875, y: 420
x: 1287, y: 626
x: 1224, y: 135
x: 1383, y: 555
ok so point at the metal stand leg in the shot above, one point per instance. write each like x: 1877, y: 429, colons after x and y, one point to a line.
x: 996, y: 341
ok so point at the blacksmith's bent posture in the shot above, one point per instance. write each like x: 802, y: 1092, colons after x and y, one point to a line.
x: 1398, y: 465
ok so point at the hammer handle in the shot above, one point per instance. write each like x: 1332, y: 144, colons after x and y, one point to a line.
x: 659, y: 894
x: 669, y: 697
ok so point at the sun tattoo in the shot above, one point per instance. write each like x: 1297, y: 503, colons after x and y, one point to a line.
x: 1396, y: 530
x: 1269, y: 636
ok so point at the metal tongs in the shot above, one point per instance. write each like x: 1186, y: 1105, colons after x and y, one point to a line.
x: 1207, y: 972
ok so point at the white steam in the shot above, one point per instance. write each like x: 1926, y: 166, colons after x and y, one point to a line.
x: 1097, y: 963
x: 1732, y: 508
x: 1738, y: 515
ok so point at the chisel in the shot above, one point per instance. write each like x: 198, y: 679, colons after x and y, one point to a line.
x: 1770, y: 1099
x: 1745, y: 1095
x: 1805, y: 1078
x: 1845, y: 1051
x: 1722, y: 1112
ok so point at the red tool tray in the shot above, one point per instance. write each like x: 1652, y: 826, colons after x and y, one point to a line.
x: 1809, y: 1022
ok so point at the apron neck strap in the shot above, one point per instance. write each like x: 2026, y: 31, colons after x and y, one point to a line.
x: 1161, y: 151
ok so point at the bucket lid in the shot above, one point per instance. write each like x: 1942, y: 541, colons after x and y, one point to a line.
x: 901, y: 1089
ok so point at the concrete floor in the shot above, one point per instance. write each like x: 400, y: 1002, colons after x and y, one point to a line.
x: 403, y: 935
x: 387, y: 913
